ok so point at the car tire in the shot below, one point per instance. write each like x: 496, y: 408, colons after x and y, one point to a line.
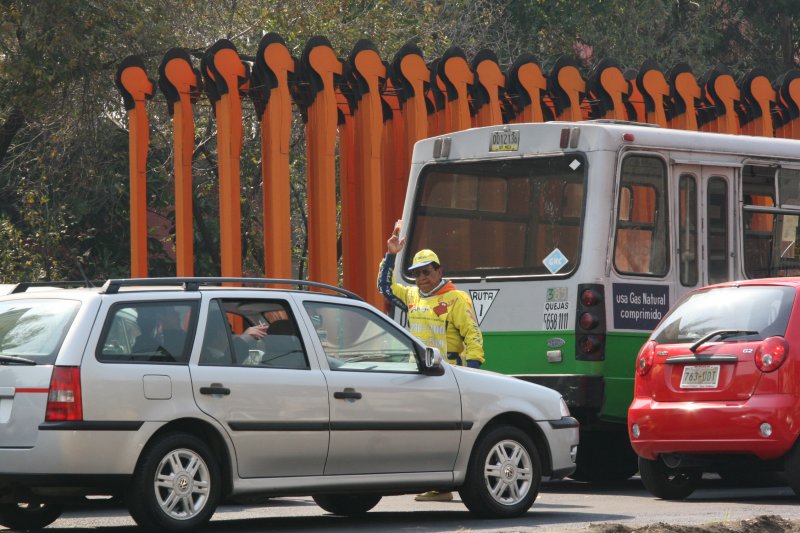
x: 668, y: 483
x: 347, y: 504
x: 176, y: 485
x: 25, y: 516
x: 791, y: 464
x: 504, y: 474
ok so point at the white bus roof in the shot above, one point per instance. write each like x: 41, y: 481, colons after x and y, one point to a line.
x: 594, y: 135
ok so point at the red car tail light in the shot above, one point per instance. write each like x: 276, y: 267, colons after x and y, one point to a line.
x: 64, y: 398
x: 771, y: 353
x: 644, y: 361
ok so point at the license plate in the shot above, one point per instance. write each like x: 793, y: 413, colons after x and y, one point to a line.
x: 504, y: 141
x: 700, y: 377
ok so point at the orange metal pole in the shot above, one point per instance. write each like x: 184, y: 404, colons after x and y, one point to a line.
x: 321, y: 147
x: 180, y: 80
x: 534, y: 82
x: 276, y: 124
x: 369, y: 133
x: 136, y: 87
x: 492, y: 79
x: 726, y: 93
x: 764, y: 95
x: 653, y: 84
x: 229, y: 72
x: 457, y: 75
x: 686, y: 90
x: 615, y: 84
x: 572, y: 83
x: 415, y: 114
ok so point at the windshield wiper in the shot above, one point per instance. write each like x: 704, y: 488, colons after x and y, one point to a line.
x: 14, y: 360
x: 722, y: 334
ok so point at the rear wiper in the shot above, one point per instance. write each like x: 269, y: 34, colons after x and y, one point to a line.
x: 14, y: 360
x: 722, y: 334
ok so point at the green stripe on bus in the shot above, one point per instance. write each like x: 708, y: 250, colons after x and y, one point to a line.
x: 525, y: 352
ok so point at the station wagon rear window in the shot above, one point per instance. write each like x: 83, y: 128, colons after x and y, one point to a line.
x: 35, y: 329
x: 757, y: 312
x: 148, y: 332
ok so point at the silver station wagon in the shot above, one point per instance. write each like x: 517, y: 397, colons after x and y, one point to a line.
x: 157, y: 391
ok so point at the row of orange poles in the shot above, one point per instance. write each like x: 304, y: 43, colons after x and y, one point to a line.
x: 373, y: 112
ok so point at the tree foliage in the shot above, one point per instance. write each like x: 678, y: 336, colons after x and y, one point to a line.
x: 63, y: 138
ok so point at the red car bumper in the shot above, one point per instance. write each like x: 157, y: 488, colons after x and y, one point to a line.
x: 715, y: 427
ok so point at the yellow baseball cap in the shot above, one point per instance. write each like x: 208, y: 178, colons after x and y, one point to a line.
x: 423, y: 258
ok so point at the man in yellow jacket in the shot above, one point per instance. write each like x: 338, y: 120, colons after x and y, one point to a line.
x: 439, y: 315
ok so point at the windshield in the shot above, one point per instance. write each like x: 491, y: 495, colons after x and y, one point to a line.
x: 35, y: 329
x: 762, y: 309
x: 503, y: 217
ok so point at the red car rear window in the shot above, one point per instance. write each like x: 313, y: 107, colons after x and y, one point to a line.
x: 764, y: 309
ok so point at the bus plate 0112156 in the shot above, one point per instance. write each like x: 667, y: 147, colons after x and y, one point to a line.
x: 504, y: 141
x: 700, y: 377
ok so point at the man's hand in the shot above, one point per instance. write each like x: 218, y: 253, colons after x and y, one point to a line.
x: 395, y: 243
x: 257, y: 332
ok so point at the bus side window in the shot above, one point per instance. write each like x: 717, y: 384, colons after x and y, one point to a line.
x: 641, y: 236
x: 758, y: 190
x: 771, y: 238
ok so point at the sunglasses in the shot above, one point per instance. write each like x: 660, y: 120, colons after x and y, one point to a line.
x: 422, y: 272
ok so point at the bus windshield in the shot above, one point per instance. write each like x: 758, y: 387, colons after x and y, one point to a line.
x: 520, y: 217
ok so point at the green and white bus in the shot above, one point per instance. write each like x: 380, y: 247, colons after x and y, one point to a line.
x: 574, y: 239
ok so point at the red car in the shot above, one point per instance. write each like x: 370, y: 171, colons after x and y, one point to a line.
x: 718, y: 387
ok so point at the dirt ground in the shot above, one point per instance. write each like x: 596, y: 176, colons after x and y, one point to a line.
x: 760, y: 524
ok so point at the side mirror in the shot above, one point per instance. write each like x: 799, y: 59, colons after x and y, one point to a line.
x: 432, y: 362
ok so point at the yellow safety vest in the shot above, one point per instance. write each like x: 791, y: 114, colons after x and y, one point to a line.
x: 444, y: 320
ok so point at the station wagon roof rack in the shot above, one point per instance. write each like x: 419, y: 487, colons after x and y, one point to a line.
x: 25, y: 285
x: 112, y: 286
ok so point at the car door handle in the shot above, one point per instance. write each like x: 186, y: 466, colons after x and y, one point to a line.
x: 215, y: 388
x: 347, y: 394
